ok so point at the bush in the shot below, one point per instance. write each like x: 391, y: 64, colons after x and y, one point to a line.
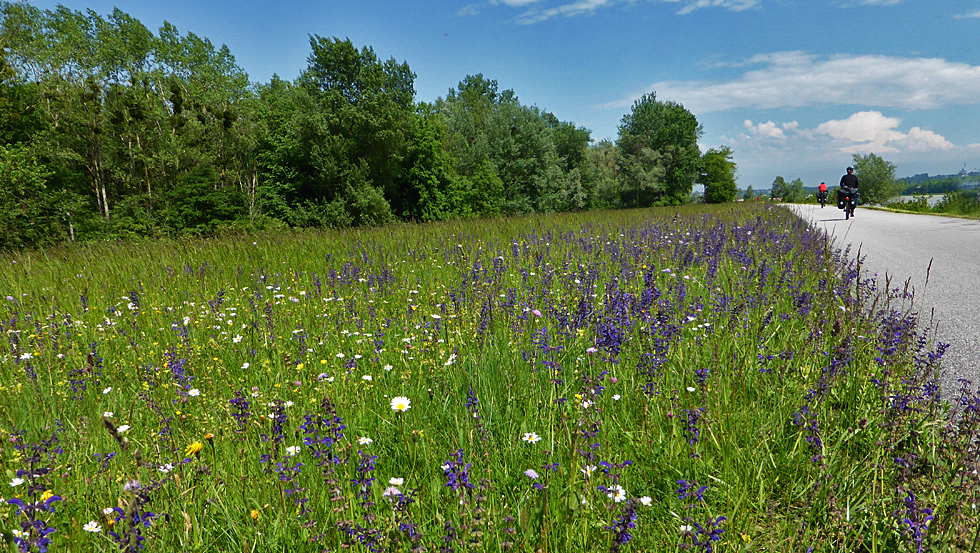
x: 964, y: 202
x: 918, y: 204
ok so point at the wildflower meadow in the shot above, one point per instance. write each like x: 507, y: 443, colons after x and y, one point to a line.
x: 677, y: 379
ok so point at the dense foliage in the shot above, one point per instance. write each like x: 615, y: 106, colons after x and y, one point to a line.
x: 960, y: 203
x: 111, y: 130
x: 659, y: 153
x: 789, y: 192
x: 877, y: 178
x: 939, y: 185
x: 718, y: 176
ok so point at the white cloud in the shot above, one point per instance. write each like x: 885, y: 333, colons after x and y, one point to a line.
x: 863, y: 127
x: 862, y: 132
x: 538, y: 14
x: 566, y: 10
x: 766, y: 149
x: 852, y: 3
x: 968, y: 15
x: 871, y: 131
x: 514, y: 3
x: 799, y: 79
x: 769, y: 129
x: 570, y: 9
x: 921, y: 140
x: 732, y: 5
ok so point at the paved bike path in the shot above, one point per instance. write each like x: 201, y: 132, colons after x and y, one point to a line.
x: 902, y: 245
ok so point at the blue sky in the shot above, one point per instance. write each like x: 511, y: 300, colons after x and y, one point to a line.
x: 794, y: 87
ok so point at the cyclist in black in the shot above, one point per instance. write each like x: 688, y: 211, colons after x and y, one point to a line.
x: 850, y: 181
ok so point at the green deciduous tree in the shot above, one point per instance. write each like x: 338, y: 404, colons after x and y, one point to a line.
x: 718, y: 176
x: 789, y: 192
x: 434, y: 192
x: 124, y: 113
x: 876, y: 178
x: 641, y: 178
x: 488, y: 125
x: 779, y: 189
x: 659, y: 155
x: 600, y: 175
x: 571, y: 142
x: 355, y: 131
x: 27, y: 217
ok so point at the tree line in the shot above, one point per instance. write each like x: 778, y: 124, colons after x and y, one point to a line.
x: 876, y: 176
x: 936, y: 185
x: 109, y: 130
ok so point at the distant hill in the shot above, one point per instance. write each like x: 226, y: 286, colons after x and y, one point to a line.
x: 971, y: 177
x: 939, y: 184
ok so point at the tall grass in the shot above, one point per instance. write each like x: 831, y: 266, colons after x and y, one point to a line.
x: 964, y: 203
x: 689, y: 378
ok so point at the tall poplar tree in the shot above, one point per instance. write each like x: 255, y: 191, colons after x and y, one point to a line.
x: 659, y: 154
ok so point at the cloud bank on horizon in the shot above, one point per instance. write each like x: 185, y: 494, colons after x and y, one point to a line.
x: 799, y: 79
x: 883, y: 101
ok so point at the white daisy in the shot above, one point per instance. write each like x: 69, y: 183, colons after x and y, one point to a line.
x: 401, y: 404
x: 617, y: 493
x: 531, y: 438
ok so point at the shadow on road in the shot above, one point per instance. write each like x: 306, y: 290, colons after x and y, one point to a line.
x: 825, y: 215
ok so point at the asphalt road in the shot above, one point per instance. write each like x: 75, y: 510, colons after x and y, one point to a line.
x: 901, y: 246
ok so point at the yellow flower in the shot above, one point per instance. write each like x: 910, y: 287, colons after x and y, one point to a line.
x: 194, y: 449
x: 46, y: 495
x: 254, y: 513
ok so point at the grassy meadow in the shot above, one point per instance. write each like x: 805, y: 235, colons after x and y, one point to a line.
x: 678, y: 379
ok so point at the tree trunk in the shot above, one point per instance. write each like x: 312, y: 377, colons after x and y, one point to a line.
x: 251, y: 194
x: 105, y: 203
